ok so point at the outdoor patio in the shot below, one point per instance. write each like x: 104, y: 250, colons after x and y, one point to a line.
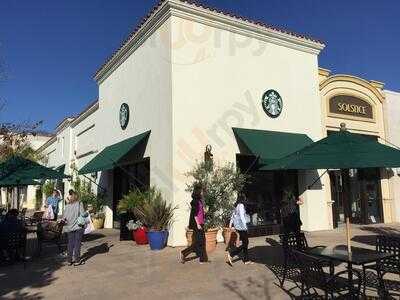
x: 122, y: 270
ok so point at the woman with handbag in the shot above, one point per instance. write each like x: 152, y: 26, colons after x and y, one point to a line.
x: 196, y: 223
x: 74, y: 219
x: 239, y: 223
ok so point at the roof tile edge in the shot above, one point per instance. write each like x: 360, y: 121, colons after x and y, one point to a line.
x: 164, y: 8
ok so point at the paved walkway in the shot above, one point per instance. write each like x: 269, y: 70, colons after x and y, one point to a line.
x: 122, y: 270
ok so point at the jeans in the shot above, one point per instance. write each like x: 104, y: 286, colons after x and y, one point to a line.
x: 243, y: 248
x: 198, y: 245
x: 74, y: 245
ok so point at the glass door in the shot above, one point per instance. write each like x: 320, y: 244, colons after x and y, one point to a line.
x: 338, y: 209
x: 371, y: 195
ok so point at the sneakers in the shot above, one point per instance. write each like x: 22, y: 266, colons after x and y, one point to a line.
x: 248, y: 262
x: 78, y: 263
x: 229, y: 259
x: 182, y: 259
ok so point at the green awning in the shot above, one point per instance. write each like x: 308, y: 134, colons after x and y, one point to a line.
x: 269, y: 146
x: 12, y: 182
x: 20, y: 171
x: 61, y: 168
x: 113, y: 155
x: 340, y: 150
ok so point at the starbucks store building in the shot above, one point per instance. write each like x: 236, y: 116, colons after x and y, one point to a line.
x: 191, y: 76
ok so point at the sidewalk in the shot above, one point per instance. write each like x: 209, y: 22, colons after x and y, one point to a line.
x: 122, y: 270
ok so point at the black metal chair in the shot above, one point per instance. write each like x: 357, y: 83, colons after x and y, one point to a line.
x: 14, y: 244
x: 385, y: 244
x: 296, y: 241
x: 313, y: 278
x: 51, y: 234
x: 36, y: 218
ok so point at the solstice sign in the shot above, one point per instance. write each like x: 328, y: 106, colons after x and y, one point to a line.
x: 351, y: 106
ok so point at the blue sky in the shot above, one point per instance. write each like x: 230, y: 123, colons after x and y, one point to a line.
x: 49, y: 50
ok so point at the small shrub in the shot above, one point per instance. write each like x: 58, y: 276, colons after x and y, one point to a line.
x: 154, y: 212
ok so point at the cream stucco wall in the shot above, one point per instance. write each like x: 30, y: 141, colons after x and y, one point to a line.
x: 392, y: 118
x: 218, y: 79
x: 143, y: 81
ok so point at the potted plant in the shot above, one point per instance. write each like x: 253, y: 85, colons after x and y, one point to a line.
x: 126, y: 208
x: 157, y: 216
x: 97, y: 210
x: 221, y: 184
x: 94, y: 203
x: 139, y: 232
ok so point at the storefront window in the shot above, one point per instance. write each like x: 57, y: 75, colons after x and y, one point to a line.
x: 356, y: 193
x: 265, y: 192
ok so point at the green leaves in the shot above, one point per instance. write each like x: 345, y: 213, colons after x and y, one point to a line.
x: 130, y: 201
x: 154, y: 212
x: 221, y: 184
x: 95, y: 203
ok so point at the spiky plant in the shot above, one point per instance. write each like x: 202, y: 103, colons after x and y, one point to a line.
x: 154, y: 212
x: 129, y: 201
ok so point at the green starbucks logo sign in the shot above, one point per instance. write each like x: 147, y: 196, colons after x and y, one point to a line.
x: 272, y: 103
x: 124, y: 115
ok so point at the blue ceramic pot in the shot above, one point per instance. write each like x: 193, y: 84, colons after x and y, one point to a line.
x: 157, y: 239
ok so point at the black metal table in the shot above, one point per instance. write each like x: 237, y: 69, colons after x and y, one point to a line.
x: 358, y: 256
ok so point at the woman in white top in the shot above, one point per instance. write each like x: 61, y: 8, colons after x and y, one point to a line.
x: 239, y: 223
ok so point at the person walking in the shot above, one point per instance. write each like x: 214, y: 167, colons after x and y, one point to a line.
x: 289, y: 211
x: 72, y: 226
x: 53, y: 201
x: 239, y: 223
x: 196, y: 223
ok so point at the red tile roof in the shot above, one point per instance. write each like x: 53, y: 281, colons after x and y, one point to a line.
x: 212, y: 9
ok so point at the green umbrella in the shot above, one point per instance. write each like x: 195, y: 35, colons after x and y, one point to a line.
x: 340, y: 150
x: 19, y: 171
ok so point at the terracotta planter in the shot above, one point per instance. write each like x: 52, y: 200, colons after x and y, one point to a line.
x: 98, y: 223
x: 231, y: 237
x: 211, y: 239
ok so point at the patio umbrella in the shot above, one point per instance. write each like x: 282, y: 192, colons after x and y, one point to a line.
x: 17, y: 171
x: 341, y: 150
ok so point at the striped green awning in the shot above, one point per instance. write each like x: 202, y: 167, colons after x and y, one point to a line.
x: 112, y: 156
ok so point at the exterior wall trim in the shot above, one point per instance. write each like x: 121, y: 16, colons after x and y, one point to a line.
x: 85, y: 114
x: 204, y: 16
x: 353, y: 79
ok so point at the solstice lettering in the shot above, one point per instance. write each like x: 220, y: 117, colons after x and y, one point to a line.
x: 352, y: 108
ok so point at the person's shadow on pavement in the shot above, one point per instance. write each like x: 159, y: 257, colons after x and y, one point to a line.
x: 99, y: 249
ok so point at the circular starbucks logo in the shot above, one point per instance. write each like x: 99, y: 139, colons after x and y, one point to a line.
x: 272, y: 103
x: 124, y: 115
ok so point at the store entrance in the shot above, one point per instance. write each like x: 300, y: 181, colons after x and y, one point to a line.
x: 264, y: 193
x: 127, y: 178
x: 356, y: 193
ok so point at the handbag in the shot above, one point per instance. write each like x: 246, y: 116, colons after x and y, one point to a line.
x: 82, y: 219
x: 89, y: 225
x: 48, y: 214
